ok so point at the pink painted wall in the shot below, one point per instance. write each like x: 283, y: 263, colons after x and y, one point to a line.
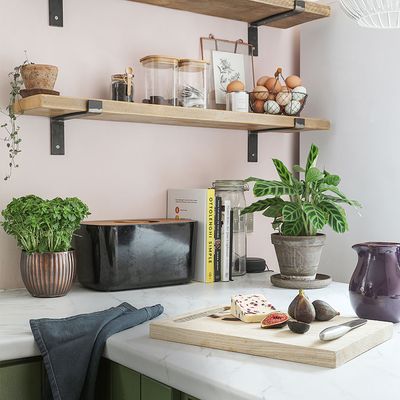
x: 123, y: 170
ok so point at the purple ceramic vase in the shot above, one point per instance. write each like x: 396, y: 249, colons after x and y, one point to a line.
x: 375, y: 284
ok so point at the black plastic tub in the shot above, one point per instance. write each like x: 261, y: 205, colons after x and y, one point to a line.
x: 133, y: 254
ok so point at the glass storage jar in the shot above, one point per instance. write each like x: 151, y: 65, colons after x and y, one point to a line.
x: 160, y: 79
x: 192, y: 87
x: 122, y: 88
x: 233, y: 190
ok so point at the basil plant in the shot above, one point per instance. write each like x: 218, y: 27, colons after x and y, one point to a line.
x: 302, y: 206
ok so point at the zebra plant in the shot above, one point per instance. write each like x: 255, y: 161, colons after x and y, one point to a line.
x: 308, y: 204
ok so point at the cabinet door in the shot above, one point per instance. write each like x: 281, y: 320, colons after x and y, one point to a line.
x: 153, y: 390
x: 125, y: 383
x: 187, y: 397
x: 21, y: 380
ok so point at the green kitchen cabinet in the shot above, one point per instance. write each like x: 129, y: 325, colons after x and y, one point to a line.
x: 125, y: 383
x: 21, y: 380
x: 153, y: 390
x: 187, y: 397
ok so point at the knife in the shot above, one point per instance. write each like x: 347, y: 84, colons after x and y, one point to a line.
x: 337, y: 331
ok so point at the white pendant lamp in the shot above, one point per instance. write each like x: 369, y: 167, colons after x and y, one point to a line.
x: 383, y: 14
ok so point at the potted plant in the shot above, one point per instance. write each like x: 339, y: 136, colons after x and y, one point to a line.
x: 299, y: 209
x: 44, y: 230
x: 37, y: 78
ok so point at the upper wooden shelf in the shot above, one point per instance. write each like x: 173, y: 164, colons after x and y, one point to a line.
x: 58, y: 106
x: 248, y: 10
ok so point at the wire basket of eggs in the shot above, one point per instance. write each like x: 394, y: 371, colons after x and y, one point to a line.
x: 278, y: 96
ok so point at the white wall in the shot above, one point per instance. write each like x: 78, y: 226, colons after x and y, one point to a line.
x: 122, y: 170
x: 352, y: 74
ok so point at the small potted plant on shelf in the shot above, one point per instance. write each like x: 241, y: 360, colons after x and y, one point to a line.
x: 37, y: 78
x: 299, y: 209
x: 44, y: 230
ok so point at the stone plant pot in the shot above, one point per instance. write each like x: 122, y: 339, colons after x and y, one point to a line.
x: 48, y: 274
x: 39, y: 76
x: 298, y: 256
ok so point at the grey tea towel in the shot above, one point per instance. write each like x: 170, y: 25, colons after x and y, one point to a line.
x: 72, y: 347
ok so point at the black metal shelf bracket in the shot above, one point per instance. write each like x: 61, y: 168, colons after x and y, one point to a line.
x: 252, y: 137
x: 57, y: 137
x: 299, y: 6
x: 56, y: 17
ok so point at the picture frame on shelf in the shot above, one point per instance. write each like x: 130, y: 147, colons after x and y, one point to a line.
x: 236, y: 52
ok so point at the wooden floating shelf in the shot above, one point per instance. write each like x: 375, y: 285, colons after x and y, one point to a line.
x: 58, y: 106
x: 248, y: 10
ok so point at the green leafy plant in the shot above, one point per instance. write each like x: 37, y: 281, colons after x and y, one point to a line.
x: 43, y: 225
x: 13, y: 138
x: 308, y: 204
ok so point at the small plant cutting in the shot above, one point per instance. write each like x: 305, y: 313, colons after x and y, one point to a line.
x: 300, y: 209
x: 44, y: 230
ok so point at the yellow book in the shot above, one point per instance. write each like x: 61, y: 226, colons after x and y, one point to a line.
x: 210, y: 236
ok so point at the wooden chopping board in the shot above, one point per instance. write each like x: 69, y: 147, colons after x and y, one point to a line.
x: 200, y: 329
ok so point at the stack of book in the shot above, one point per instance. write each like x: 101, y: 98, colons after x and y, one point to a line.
x: 214, y: 231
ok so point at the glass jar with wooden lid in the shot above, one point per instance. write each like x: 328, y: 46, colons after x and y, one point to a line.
x: 192, y: 86
x: 161, y: 76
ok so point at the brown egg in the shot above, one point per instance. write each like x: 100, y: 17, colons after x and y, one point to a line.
x: 258, y: 106
x: 273, y: 85
x: 285, y: 89
x: 293, y: 81
x: 260, y: 93
x: 262, y: 80
x: 235, y: 86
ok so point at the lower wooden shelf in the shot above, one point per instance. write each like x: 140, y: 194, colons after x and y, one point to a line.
x: 59, y: 106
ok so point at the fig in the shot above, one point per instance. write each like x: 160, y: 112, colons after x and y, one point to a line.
x: 274, y: 320
x: 298, y: 326
x: 323, y: 311
x: 301, y: 308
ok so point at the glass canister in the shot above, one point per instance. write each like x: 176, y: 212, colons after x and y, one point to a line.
x: 160, y: 79
x: 233, y: 191
x: 122, y: 88
x: 192, y: 75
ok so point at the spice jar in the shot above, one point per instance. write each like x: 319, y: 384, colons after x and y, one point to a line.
x: 122, y: 88
x: 192, y: 83
x: 233, y: 192
x: 160, y: 79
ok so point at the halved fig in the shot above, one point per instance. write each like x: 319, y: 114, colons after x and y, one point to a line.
x: 274, y: 319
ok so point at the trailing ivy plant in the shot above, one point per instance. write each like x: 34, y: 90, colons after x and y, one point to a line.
x: 13, y: 138
x: 41, y: 225
x: 302, y: 207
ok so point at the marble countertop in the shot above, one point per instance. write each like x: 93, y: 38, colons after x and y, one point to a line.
x: 202, y: 372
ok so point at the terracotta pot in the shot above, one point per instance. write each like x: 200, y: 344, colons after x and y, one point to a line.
x: 298, y: 256
x: 48, y: 274
x: 39, y: 76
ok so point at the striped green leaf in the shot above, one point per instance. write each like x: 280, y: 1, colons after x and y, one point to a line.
x: 272, y: 188
x: 314, y: 174
x: 312, y: 157
x: 291, y: 212
x: 294, y: 228
x: 260, y: 205
x: 329, y: 179
x: 336, y: 216
x: 283, y: 172
x: 275, y: 210
x: 315, y: 215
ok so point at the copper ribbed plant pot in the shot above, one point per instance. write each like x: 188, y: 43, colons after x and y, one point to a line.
x: 48, y: 274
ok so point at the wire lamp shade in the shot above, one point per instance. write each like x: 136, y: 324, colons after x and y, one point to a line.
x: 384, y: 14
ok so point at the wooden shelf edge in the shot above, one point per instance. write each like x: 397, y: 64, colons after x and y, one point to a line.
x: 247, y: 10
x: 56, y: 106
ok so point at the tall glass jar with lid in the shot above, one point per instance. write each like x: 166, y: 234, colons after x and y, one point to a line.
x: 233, y: 191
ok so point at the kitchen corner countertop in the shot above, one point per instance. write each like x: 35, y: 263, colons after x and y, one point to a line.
x: 202, y: 372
